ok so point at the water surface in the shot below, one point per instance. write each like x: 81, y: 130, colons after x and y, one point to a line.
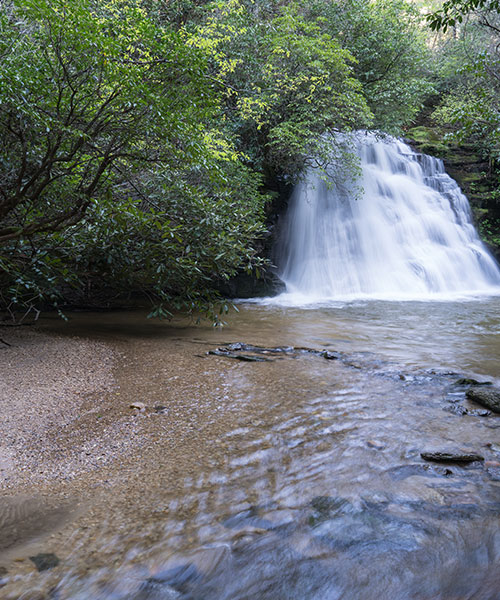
x: 303, y: 478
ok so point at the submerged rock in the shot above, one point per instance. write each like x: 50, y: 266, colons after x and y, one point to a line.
x: 175, y: 580
x: 242, y: 357
x: 458, y: 409
x: 329, y: 355
x: 255, y: 353
x: 325, y: 508
x: 44, y: 562
x: 156, y: 590
x: 469, y: 381
x: 327, y: 504
x: 479, y: 413
x: 402, y: 472
x: 449, y: 456
x: 375, y: 444
x: 486, y: 396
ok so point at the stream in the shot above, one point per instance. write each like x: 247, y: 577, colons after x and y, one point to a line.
x: 305, y: 480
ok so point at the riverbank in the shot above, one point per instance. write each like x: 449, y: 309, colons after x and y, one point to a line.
x: 47, y: 381
x: 97, y: 426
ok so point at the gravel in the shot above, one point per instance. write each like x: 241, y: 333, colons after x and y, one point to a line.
x: 45, y: 384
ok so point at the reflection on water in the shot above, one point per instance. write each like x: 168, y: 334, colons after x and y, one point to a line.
x: 456, y: 335
x: 315, y: 488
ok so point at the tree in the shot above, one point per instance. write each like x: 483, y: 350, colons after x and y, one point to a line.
x: 112, y: 170
x: 392, y: 60
x: 453, y: 12
x: 470, y: 109
x: 287, y: 82
x: 87, y: 90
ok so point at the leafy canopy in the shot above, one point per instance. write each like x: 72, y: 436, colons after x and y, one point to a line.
x: 453, y: 11
x: 113, y: 169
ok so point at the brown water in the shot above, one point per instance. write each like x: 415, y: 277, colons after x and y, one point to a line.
x: 297, y: 478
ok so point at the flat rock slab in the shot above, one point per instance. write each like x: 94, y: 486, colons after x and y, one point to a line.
x: 486, y: 396
x: 446, y: 456
x: 254, y: 353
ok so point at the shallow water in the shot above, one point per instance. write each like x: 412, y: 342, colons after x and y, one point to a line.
x: 308, y: 481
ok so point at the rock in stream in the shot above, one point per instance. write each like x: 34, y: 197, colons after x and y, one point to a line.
x: 486, y: 396
x: 451, y: 456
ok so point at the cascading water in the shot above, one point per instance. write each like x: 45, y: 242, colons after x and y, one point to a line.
x: 408, y: 233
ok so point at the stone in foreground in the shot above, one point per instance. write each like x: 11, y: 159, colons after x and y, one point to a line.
x: 486, y: 396
x: 45, y: 561
x: 446, y: 456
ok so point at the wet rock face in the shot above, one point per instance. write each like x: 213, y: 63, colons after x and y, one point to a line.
x: 469, y: 381
x: 262, y: 354
x: 486, y: 396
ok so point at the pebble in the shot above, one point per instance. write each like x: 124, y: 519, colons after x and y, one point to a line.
x: 45, y: 561
x: 375, y: 444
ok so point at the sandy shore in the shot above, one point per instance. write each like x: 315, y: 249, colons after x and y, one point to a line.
x: 45, y: 383
x: 78, y: 464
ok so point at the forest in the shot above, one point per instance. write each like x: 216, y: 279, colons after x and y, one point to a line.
x: 148, y: 145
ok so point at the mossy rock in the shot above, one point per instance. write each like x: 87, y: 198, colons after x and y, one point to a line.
x: 422, y: 134
x: 480, y: 213
x: 471, y: 177
x: 463, y: 158
x: 434, y: 149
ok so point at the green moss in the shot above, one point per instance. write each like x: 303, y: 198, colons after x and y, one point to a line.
x: 479, y: 213
x: 462, y: 158
x: 422, y: 134
x: 471, y: 177
x: 433, y: 149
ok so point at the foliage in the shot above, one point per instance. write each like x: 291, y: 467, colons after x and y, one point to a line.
x: 286, y: 81
x: 393, y: 62
x: 294, y: 71
x: 140, y: 136
x: 110, y: 168
x: 472, y: 106
x: 78, y: 83
x: 453, y: 12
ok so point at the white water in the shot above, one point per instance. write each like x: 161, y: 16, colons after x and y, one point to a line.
x: 408, y: 235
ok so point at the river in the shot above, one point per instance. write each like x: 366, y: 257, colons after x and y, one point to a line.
x: 298, y: 477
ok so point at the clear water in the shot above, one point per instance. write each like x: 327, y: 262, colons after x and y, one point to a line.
x: 304, y: 479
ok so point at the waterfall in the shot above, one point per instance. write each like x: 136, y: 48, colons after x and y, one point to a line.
x: 406, y: 234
